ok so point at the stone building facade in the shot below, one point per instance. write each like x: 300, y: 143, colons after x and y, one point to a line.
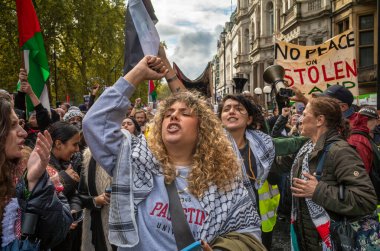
x: 246, y: 45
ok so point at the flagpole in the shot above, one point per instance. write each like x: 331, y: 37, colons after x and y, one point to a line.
x: 23, y: 60
x: 23, y: 66
x: 149, y: 97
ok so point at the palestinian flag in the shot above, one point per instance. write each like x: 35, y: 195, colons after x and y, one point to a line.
x: 152, y: 91
x: 141, y: 36
x: 35, y: 58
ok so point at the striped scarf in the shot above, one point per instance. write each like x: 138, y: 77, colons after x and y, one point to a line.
x: 317, y: 213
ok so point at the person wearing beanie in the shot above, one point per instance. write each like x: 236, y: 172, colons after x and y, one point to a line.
x: 74, y: 116
x: 373, y: 118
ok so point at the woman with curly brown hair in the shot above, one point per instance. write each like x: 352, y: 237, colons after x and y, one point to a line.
x: 188, y: 149
x: 27, y: 197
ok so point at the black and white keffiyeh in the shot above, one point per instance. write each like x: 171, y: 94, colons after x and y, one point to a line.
x: 318, y: 214
x: 133, y: 181
x: 262, y: 147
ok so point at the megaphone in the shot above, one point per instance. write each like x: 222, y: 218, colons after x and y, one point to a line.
x: 274, y: 75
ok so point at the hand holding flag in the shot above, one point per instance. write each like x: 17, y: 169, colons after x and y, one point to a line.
x: 35, y: 58
x: 25, y: 86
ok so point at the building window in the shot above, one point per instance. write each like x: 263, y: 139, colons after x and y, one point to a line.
x: 270, y: 18
x: 318, y: 41
x: 314, y: 5
x: 366, y: 40
x: 246, y: 41
x: 343, y: 25
x: 302, y: 42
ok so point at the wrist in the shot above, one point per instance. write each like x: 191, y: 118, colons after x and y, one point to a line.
x: 305, y: 100
x: 170, y: 78
x: 134, y: 77
x: 95, y: 204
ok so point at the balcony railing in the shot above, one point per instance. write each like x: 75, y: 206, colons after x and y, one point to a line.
x: 261, y: 42
x: 340, y: 3
x: 240, y: 59
x: 291, y: 13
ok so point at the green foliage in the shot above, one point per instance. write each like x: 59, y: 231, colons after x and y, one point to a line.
x: 83, y: 40
x: 10, y: 55
x: 141, y: 92
x: 163, y: 91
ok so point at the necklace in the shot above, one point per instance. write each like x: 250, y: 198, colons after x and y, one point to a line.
x: 179, y: 191
x: 253, y: 177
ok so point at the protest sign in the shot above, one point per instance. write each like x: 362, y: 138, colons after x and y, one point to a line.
x: 314, y: 68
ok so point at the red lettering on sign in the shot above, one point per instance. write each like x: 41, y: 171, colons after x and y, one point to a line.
x: 338, y: 69
x: 300, y: 73
x: 316, y: 73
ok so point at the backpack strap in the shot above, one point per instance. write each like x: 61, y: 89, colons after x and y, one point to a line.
x: 321, y: 162
x: 320, y: 169
x: 361, y: 133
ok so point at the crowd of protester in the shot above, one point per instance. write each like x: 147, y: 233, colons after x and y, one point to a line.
x: 99, y: 176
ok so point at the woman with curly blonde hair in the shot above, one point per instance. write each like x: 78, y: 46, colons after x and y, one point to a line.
x: 207, y: 166
x: 188, y: 150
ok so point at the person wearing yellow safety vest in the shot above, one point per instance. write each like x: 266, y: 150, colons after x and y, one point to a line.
x: 244, y: 121
x: 256, y: 150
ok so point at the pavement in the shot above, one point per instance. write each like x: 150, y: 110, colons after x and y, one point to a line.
x: 281, y: 235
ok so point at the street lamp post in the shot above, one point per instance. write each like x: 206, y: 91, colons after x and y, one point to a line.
x: 267, y: 90
x: 258, y: 91
x: 223, y: 36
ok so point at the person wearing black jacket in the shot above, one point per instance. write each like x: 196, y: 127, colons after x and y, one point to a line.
x: 25, y: 187
x: 66, y: 139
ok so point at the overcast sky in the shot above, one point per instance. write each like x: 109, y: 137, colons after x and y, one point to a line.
x: 190, y: 29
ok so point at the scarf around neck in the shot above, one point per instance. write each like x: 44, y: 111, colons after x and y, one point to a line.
x: 318, y: 214
x: 263, y: 150
x: 132, y: 182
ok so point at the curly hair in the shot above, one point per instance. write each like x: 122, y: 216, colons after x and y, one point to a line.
x: 258, y: 121
x: 214, y: 161
x: 330, y: 108
x: 7, y: 166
